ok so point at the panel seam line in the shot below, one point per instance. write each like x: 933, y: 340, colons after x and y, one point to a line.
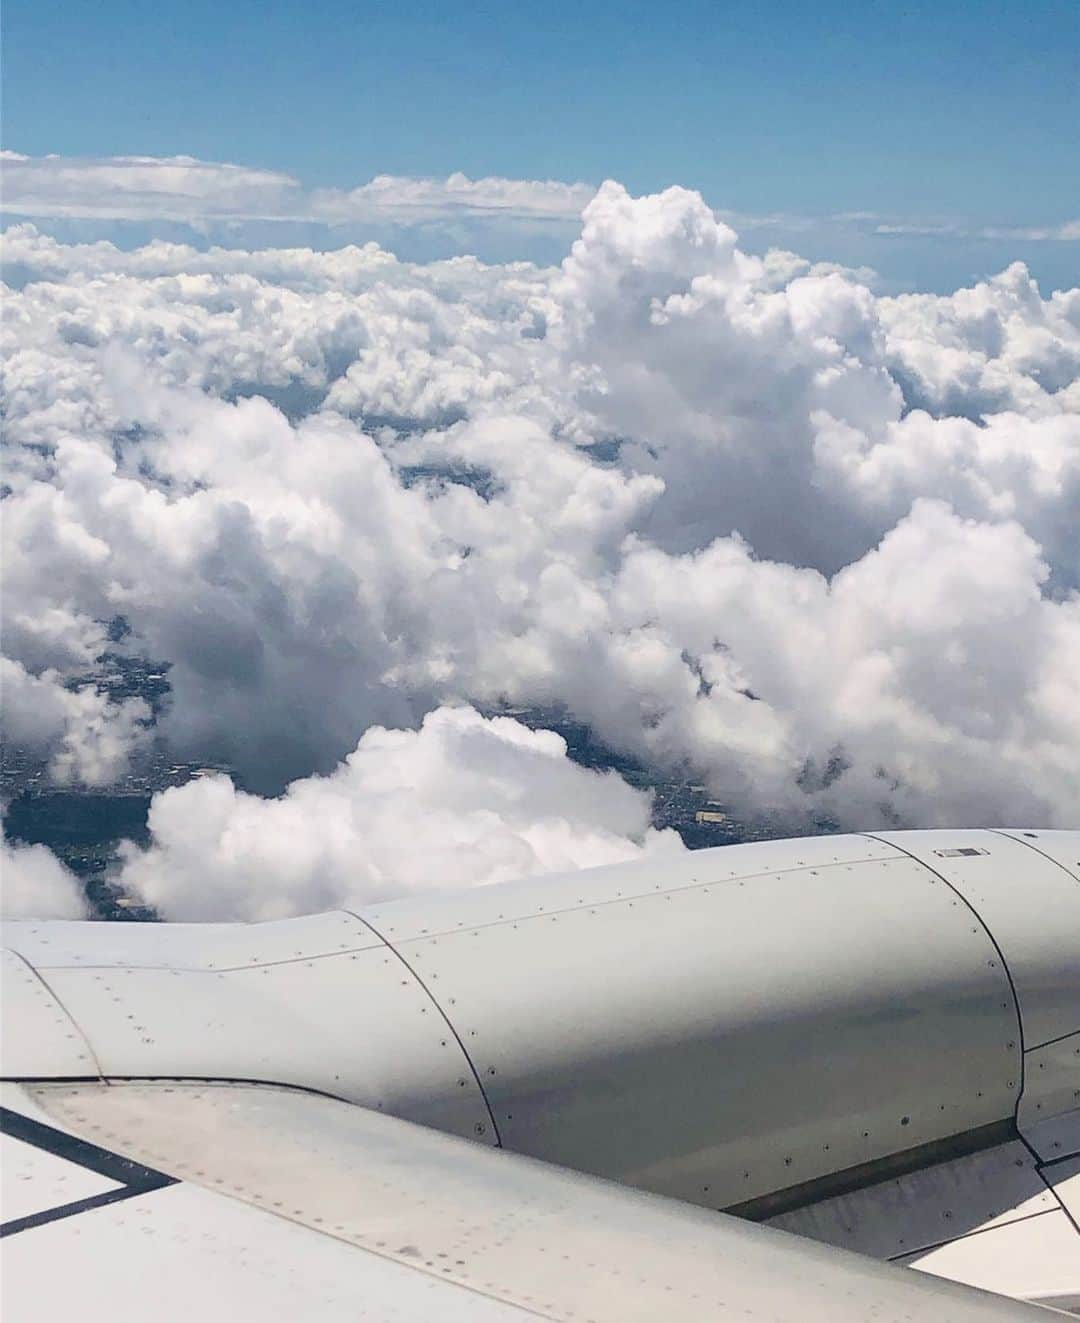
x: 1007, y: 836
x: 60, y: 1002
x: 449, y: 1024
x: 635, y: 896
x: 1000, y: 954
x: 968, y: 1235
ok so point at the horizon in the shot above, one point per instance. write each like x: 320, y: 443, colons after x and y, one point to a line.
x: 930, y: 144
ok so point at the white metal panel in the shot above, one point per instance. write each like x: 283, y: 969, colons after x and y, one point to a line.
x: 552, y: 1242
x: 32, y: 1180
x: 722, y: 1041
x: 1056, y: 1137
x: 1030, y: 904
x: 1063, y: 846
x: 1051, y: 1091
x: 16, y: 1096
x: 37, y: 1036
x: 1064, y: 1180
x: 355, y: 1025
x: 183, y: 1254
x: 1036, y: 1259
x: 207, y: 946
x: 926, y: 1207
x: 402, y: 920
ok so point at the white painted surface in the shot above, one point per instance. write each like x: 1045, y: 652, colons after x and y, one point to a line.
x: 425, y: 916
x: 183, y: 1254
x: 198, y: 946
x: 397, y: 1198
x: 926, y: 1207
x: 1055, y: 1137
x: 717, y: 1027
x: 32, y: 1180
x: 724, y: 1040
x: 1062, y: 846
x: 37, y: 1036
x: 1052, y: 1089
x: 1064, y: 1179
x: 1032, y: 907
x: 355, y: 1025
x: 1037, y: 1259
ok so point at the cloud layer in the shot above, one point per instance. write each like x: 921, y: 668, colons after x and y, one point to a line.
x: 748, y: 520
x: 183, y: 188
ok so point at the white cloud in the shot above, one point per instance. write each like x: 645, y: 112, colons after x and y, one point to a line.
x: 405, y: 198
x: 182, y: 188
x: 461, y: 802
x: 83, y: 735
x: 1062, y: 232
x: 748, y: 519
x: 138, y: 187
x: 186, y: 189
x: 34, y: 884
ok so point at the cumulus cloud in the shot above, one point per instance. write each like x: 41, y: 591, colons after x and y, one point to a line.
x: 752, y: 522
x: 34, y: 884
x: 462, y: 802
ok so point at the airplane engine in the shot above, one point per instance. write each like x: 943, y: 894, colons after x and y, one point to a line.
x: 748, y: 1028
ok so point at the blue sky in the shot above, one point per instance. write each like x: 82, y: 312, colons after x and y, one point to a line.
x: 922, y: 113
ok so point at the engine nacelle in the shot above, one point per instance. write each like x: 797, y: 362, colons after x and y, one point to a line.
x: 741, y: 1027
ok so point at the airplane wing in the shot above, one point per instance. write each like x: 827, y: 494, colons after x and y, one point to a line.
x: 226, y: 1201
x: 761, y: 1082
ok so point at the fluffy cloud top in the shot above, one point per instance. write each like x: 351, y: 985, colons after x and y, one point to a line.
x: 748, y: 520
x: 34, y: 884
x: 461, y: 802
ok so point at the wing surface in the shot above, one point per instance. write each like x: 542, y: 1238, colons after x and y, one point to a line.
x: 225, y: 1201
